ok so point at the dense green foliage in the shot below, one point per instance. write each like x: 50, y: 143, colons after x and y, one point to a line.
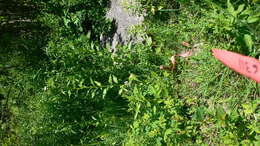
x: 59, y: 86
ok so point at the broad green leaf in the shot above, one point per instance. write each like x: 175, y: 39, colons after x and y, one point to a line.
x: 158, y: 50
x: 115, y: 79
x: 166, y: 133
x: 240, y: 9
x: 248, y: 41
x: 120, y: 91
x: 50, y: 82
x: 132, y: 77
x: 247, y: 11
x: 253, y: 19
x: 160, y: 7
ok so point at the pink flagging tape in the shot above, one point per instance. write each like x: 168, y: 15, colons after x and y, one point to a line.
x: 247, y: 66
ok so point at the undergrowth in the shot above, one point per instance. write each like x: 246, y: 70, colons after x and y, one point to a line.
x: 203, y: 101
x: 60, y: 87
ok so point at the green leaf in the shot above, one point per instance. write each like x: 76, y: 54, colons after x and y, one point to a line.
x: 115, y: 79
x: 240, y: 9
x: 149, y: 41
x: 110, y: 80
x: 97, y: 83
x: 247, y: 11
x: 50, y: 82
x: 199, y: 114
x: 248, y: 109
x: 81, y: 84
x: 104, y: 93
x: 167, y: 132
x: 158, y: 50
x: 132, y: 77
x: 137, y: 110
x: 69, y: 93
x: 221, y: 114
x: 93, y: 94
x: 248, y: 41
x: 154, y: 110
x: 230, y: 7
x: 120, y: 91
x: 135, y: 91
x: 253, y: 19
x: 91, y: 81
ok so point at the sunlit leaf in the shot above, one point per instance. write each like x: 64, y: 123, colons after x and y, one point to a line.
x: 104, y: 93
x: 115, y: 79
x: 230, y: 8
x: 248, y: 41
x: 240, y: 9
x: 253, y: 19
x: 98, y: 83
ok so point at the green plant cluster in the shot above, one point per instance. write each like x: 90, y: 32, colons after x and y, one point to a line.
x: 163, y: 116
x: 59, y: 86
x: 204, y: 102
x: 69, y: 18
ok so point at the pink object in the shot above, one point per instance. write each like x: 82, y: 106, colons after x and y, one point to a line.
x: 247, y: 66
